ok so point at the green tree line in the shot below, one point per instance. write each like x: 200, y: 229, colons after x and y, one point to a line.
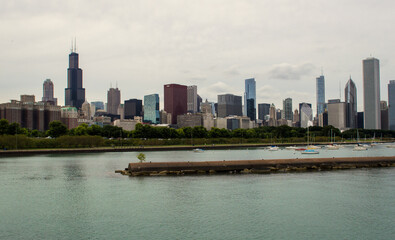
x: 95, y: 136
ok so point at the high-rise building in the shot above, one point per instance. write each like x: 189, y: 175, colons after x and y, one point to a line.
x: 133, y: 108
x: 384, y: 115
x: 263, y: 110
x: 199, y: 102
x: 175, y: 100
x: 350, y: 98
x: 151, y: 109
x: 192, y: 97
x: 48, y: 93
x: 229, y: 104
x: 337, y: 113
x: 98, y: 105
x: 305, y: 114
x: 287, y: 108
x: 74, y: 93
x: 113, y: 100
x: 371, y: 93
x: 320, y: 94
x: 360, y: 120
x: 391, y: 105
x: 30, y: 114
x: 250, y: 99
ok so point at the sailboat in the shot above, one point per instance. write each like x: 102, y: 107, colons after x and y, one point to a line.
x: 332, y: 146
x: 359, y: 147
x: 310, y: 149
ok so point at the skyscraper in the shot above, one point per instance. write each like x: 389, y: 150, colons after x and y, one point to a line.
x: 305, y: 114
x: 391, y: 105
x: 48, y: 93
x: 350, y: 98
x: 151, y: 108
x: 263, y: 110
x: 74, y: 93
x: 250, y: 99
x: 337, y: 113
x: 287, y: 108
x: 229, y: 104
x: 113, y: 100
x: 371, y: 93
x: 133, y: 108
x: 192, y: 103
x: 320, y: 94
x: 175, y: 100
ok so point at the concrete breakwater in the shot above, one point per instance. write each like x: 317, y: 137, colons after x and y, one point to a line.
x: 255, y: 166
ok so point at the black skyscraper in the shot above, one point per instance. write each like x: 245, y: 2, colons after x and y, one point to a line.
x: 75, y: 94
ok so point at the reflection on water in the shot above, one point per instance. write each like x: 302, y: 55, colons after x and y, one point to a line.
x: 78, y: 196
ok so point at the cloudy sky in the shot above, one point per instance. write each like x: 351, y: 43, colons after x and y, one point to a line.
x: 214, y: 44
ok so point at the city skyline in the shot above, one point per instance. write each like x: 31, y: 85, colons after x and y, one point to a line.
x: 158, y: 46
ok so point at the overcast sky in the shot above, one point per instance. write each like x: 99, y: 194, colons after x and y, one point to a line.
x: 214, y: 44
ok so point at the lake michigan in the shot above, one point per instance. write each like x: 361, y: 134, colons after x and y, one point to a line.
x: 78, y: 196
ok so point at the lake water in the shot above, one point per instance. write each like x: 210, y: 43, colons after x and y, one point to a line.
x: 78, y: 196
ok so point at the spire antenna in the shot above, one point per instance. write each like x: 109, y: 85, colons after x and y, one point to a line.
x: 75, y: 44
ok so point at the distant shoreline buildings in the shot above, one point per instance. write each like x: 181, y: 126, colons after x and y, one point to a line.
x: 183, y: 106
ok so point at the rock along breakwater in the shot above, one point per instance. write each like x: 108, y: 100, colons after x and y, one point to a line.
x: 255, y: 166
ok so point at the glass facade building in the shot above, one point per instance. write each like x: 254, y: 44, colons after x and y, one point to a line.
x: 250, y: 99
x: 320, y: 94
x: 151, y: 109
x: 350, y: 97
x: 287, y: 108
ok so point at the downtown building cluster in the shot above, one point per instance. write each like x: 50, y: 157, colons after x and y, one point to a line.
x: 183, y: 107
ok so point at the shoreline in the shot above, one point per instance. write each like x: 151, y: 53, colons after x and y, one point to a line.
x: 26, y: 152
x: 255, y: 166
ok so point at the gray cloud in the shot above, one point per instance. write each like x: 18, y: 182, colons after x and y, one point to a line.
x: 145, y: 44
x: 286, y: 71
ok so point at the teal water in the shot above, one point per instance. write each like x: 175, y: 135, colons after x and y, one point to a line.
x: 78, y: 196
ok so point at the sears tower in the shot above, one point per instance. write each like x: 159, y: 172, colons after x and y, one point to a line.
x: 75, y: 93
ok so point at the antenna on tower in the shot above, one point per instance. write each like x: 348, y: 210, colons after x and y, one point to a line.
x: 116, y: 84
x: 75, y: 44
x: 71, y: 49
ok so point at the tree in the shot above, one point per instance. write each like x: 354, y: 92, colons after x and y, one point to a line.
x: 14, y: 128
x: 141, y: 157
x: 57, y: 129
x: 95, y: 130
x: 4, y: 125
x: 81, y: 130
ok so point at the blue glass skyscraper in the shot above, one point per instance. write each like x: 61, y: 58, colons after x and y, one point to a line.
x: 151, y: 108
x: 320, y: 93
x: 250, y: 99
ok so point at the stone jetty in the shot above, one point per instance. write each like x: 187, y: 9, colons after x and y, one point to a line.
x: 255, y: 166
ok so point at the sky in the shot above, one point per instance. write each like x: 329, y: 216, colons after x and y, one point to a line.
x: 140, y: 46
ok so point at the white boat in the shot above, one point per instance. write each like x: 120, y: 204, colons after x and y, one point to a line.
x: 273, y: 148
x: 310, y: 151
x: 313, y: 147
x: 332, y: 147
x: 290, y: 147
x: 359, y: 148
x: 198, y: 150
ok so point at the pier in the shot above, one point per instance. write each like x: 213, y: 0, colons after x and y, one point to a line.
x: 255, y: 166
